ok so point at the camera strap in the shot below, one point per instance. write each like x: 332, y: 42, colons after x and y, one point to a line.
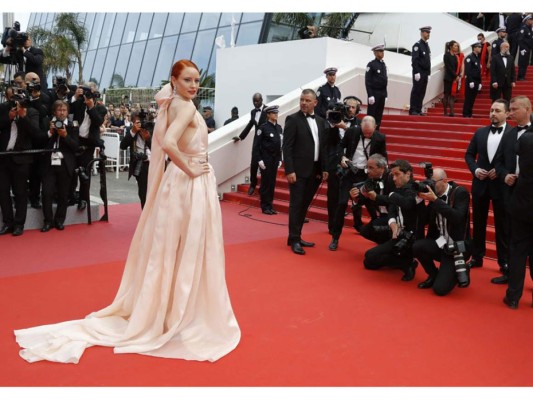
x: 451, y: 196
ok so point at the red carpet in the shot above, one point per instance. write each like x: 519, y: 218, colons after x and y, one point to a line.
x: 317, y: 320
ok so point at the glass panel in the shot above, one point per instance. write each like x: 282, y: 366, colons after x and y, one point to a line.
x: 109, y: 67
x: 202, y: 48
x: 118, y: 28
x: 226, y: 32
x: 158, y: 25
x: 190, y: 22
x: 249, y: 33
x: 149, y: 61
x: 75, y: 73
x: 117, y: 79
x: 173, y: 24
x: 99, y: 65
x: 131, y: 26
x: 226, y: 18
x: 209, y: 20
x: 165, y: 60
x: 247, y: 17
x: 88, y: 65
x: 50, y: 17
x: 143, y: 28
x: 81, y: 17
x: 134, y: 64
x: 96, y: 31
x: 185, y: 44
x: 107, y: 29
x: 32, y: 18
x: 279, y: 33
x: 89, y: 25
x: 42, y: 22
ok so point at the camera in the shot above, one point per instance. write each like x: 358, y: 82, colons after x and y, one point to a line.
x: 138, y: 159
x: 89, y: 94
x: 342, y: 172
x: 457, y: 249
x: 428, y: 169
x: 428, y: 173
x: 335, y: 113
x: 59, y: 125
x: 404, y: 243
x: 17, y: 38
x: 20, y: 97
x: 82, y: 174
x: 148, y: 125
x: 33, y: 86
x: 60, y: 84
x: 366, y: 186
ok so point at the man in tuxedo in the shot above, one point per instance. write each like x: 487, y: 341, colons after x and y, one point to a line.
x: 495, y: 47
x: 305, y: 164
x: 502, y: 74
x: 486, y: 187
x: 397, y: 252
x: 522, y: 225
x: 449, y: 223
x: 58, y: 167
x: 360, y: 143
x: 472, y: 79
x: 257, y: 118
x: 19, y: 125
x: 506, y: 165
x: 421, y: 64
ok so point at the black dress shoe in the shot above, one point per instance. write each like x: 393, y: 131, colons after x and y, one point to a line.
x: 334, y: 244
x: 268, y: 212
x: 410, y: 271
x: 297, y: 248
x: 473, y: 263
x: 82, y: 205
x: 6, y: 229
x: 60, y: 226
x: 303, y: 243
x: 512, y: 304
x: 46, y: 228
x: 500, y: 280
x: 428, y: 283
x: 251, y: 190
x: 273, y: 212
x: 17, y: 231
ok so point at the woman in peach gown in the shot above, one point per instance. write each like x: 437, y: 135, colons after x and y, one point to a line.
x: 172, y: 301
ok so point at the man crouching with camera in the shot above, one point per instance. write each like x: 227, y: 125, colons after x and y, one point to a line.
x: 447, y: 232
x: 138, y: 140
x: 403, y: 215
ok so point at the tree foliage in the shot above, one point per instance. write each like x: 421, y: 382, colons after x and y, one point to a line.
x: 330, y: 24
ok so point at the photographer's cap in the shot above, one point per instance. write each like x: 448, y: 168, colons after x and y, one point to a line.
x: 477, y: 44
x: 379, y: 47
x: 501, y: 29
x: 272, y: 109
x: 208, y: 108
x: 425, y: 29
x: 330, y: 70
x: 526, y: 18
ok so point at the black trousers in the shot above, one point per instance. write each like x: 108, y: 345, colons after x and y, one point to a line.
x: 383, y: 256
x: 375, y: 230
x: 418, y: 92
x: 82, y: 160
x: 56, y: 181
x: 470, y: 98
x: 268, y: 183
x: 301, y: 196
x: 346, y: 184
x: 521, y: 245
x: 501, y: 92
x: 14, y: 177
x: 332, y: 197
x: 253, y: 167
x: 480, y: 213
x: 376, y: 109
x: 142, y: 182
x: 427, y: 252
x: 36, y: 177
x: 523, y: 62
x: 513, y: 45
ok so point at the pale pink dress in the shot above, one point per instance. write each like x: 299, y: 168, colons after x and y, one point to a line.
x: 172, y: 301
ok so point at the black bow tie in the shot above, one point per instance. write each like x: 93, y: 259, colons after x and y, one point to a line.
x: 520, y: 127
x: 310, y: 116
x: 257, y: 110
x: 495, y: 129
x: 443, y: 197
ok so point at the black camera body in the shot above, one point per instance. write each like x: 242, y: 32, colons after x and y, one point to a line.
x: 33, y: 86
x: 59, y: 125
x: 336, y: 113
x: 138, y: 159
x: 20, y: 97
x: 342, y: 172
x: 457, y: 250
x: 17, y: 37
x: 60, y: 84
x: 421, y: 187
x: 89, y: 94
x: 404, y: 243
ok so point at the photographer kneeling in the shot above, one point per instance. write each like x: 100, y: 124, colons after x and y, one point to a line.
x: 138, y: 139
x: 403, y: 215
x: 448, y: 230
x: 374, y: 194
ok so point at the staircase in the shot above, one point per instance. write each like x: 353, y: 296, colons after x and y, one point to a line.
x: 436, y: 138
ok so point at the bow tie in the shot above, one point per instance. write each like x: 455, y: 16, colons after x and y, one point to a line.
x: 257, y: 110
x: 310, y: 116
x: 443, y: 198
x: 521, y: 127
x: 495, y: 129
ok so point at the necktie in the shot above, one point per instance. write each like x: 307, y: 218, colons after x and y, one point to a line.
x: 495, y: 129
x: 310, y: 116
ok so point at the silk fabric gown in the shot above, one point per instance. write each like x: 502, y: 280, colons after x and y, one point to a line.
x: 172, y: 301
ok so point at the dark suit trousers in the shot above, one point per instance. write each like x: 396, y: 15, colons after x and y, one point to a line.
x: 332, y: 197
x: 368, y: 232
x: 501, y: 92
x: 56, y: 180
x: 427, y: 252
x: 523, y: 62
x: 14, y: 177
x: 480, y: 213
x: 268, y: 183
x: 521, y: 245
x: 301, y: 196
x: 376, y: 109
x: 383, y: 256
x: 417, y: 93
x: 253, y: 166
x: 470, y: 98
x: 142, y: 182
x: 346, y: 185
x: 83, y: 160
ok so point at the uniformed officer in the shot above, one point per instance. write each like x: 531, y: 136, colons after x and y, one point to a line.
x: 472, y: 79
x: 525, y: 44
x: 502, y: 37
x: 328, y: 93
x: 376, y: 84
x: 421, y: 63
x: 268, y: 152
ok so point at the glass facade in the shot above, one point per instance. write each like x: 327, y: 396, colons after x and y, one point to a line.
x: 138, y: 49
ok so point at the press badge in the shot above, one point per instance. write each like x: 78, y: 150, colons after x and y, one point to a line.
x: 55, y: 159
x: 441, y: 241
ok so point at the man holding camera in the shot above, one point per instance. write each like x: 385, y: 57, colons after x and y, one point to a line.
x: 486, y: 187
x: 328, y: 93
x: 88, y: 116
x: 58, y: 166
x: 402, y: 209
x: 139, y: 141
x: 376, y: 81
x: 19, y: 125
x: 360, y: 143
x: 449, y: 228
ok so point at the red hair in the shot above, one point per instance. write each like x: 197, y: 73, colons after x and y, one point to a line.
x: 179, y: 66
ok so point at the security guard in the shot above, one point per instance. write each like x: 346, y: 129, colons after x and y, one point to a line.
x: 328, y: 93
x: 502, y: 35
x: 421, y: 63
x: 525, y: 44
x: 376, y: 84
x: 472, y: 79
x: 268, y: 152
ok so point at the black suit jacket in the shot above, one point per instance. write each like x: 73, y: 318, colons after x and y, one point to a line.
x: 27, y: 132
x: 476, y: 156
x: 299, y: 145
x: 253, y: 123
x: 353, y: 135
x: 505, y: 158
x: 501, y: 74
x: 404, y: 200
x: 521, y: 202
x: 67, y: 145
x: 34, y: 63
x: 96, y: 114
